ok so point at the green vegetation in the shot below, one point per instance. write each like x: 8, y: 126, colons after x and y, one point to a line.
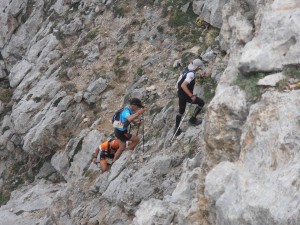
x: 121, y: 9
x: 160, y: 29
x: 292, y: 72
x: 91, y: 35
x: 194, y: 34
x: 118, y: 12
x: 6, y: 94
x: 78, y: 54
x: 17, y: 182
x: 281, y: 85
x: 248, y: 84
x: 211, y: 35
x: 130, y: 39
x: 184, y: 23
x: 143, y: 3
x: 180, y: 18
x: 120, y: 61
x: 170, y: 4
x: 140, y: 72
x: 177, y: 17
x: 119, y: 71
x: 186, y: 57
x: 85, y: 172
x: 209, y: 85
x: 191, y: 150
x: 209, y: 39
x: 4, y: 197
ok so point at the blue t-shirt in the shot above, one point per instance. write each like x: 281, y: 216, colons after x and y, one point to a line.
x: 123, y: 117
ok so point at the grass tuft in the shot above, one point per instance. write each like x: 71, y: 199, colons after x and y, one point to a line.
x: 248, y: 84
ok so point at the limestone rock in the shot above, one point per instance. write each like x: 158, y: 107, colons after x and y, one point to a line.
x: 265, y: 177
x: 275, y: 43
x: 9, y: 19
x: 271, y: 80
x: 18, y: 73
x: 237, y: 27
x: 2, y: 70
x: 41, y: 49
x: 225, y: 115
x: 82, y: 155
x: 28, y: 205
x: 69, y: 58
x: 180, y: 206
x: 2, y: 106
x: 20, y: 38
x: 210, y: 11
x: 71, y: 28
x: 94, y: 90
x: 40, y: 138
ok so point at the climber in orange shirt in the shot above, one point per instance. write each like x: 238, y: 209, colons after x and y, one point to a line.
x: 107, y: 151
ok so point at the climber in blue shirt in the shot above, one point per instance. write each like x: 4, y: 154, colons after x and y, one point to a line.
x: 127, y: 115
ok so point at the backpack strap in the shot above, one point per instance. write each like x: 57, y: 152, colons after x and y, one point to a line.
x: 110, y: 140
x: 127, y: 123
x: 184, y: 73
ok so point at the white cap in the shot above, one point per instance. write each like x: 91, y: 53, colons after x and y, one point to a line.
x: 195, y: 64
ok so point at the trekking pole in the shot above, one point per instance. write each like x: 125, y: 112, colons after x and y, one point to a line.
x: 143, y: 131
x: 181, y: 122
x: 137, y: 132
x: 129, y: 128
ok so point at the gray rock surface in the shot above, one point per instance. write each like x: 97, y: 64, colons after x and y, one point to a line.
x: 18, y: 73
x: 224, y: 120
x: 28, y: 205
x: 265, y: 177
x: 94, y: 90
x: 82, y: 156
x: 19, y: 38
x: 67, y: 65
x: 275, y: 43
x: 271, y: 80
x: 210, y: 11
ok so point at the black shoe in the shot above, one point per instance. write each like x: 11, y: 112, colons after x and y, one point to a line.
x: 179, y: 131
x: 194, y: 121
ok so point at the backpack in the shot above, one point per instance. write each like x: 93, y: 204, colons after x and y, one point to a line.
x: 116, y: 116
x: 116, y: 120
x: 182, y: 77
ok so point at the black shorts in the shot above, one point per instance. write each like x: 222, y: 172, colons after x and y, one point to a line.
x: 106, y: 154
x: 183, y: 99
x: 122, y: 135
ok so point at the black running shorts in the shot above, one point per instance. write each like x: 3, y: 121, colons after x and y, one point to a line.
x: 122, y: 135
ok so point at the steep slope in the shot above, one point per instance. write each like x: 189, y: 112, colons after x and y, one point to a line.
x: 66, y: 66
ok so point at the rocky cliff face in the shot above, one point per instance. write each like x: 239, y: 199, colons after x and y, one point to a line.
x: 67, y: 65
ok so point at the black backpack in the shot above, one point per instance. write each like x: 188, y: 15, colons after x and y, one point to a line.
x: 182, y: 77
x: 116, y: 117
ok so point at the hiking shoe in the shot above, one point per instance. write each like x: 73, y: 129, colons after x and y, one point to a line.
x: 179, y: 131
x: 194, y: 121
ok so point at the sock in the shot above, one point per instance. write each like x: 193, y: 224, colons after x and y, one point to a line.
x: 196, y: 112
